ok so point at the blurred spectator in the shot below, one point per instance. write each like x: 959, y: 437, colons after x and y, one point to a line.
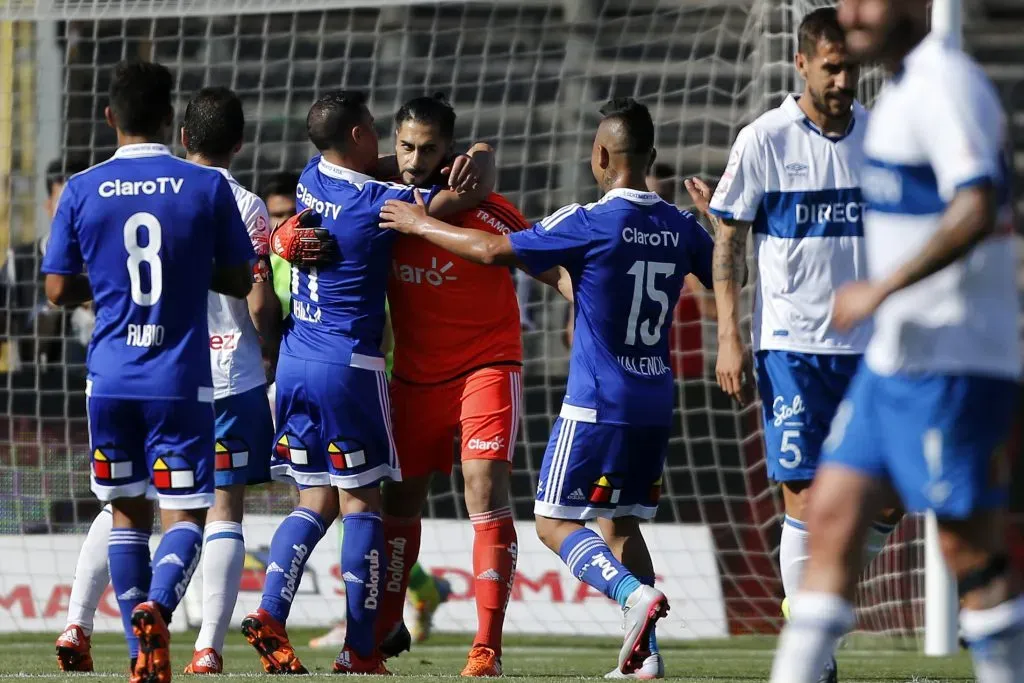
x: 35, y: 331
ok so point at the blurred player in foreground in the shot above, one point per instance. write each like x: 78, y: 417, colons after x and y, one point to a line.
x: 333, y: 412
x: 458, y: 360
x: 212, y: 134
x: 930, y: 408
x: 155, y: 233
x: 627, y: 255
x: 794, y: 175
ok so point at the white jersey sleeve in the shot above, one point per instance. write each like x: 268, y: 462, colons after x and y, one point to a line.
x: 964, y: 124
x: 739, y: 192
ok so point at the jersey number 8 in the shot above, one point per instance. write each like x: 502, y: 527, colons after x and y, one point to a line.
x: 149, y: 254
x: 650, y: 331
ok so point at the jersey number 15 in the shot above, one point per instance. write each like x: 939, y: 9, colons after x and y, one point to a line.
x: 650, y: 330
x: 149, y: 254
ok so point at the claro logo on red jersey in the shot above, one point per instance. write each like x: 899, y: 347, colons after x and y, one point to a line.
x: 416, y: 275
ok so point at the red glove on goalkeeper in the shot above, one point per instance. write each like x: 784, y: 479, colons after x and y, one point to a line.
x: 302, y: 242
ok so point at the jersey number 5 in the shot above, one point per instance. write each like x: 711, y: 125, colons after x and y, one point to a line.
x: 149, y: 254
x: 650, y: 331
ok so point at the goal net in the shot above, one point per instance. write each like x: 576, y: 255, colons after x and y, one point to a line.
x: 527, y: 76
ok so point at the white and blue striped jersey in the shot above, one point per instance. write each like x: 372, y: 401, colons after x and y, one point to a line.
x: 801, y: 191
x: 938, y: 127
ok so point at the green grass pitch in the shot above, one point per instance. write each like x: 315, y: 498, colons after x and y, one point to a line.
x: 547, y: 659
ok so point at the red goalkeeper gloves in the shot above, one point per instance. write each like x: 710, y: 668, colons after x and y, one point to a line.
x: 302, y: 242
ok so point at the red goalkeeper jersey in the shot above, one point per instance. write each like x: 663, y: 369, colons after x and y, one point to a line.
x: 451, y: 316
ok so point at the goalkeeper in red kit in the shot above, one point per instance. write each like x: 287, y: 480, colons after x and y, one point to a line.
x: 457, y: 373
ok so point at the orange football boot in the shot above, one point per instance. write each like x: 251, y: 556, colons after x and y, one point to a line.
x: 349, y: 662
x: 73, y: 650
x: 205, y: 661
x: 483, y: 661
x: 154, y: 662
x: 268, y: 636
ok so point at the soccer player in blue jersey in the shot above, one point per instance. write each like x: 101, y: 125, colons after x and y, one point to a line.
x: 333, y: 410
x: 929, y: 409
x: 155, y: 233
x: 627, y: 255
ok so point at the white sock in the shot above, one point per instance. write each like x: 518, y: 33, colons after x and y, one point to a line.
x: 816, y: 622
x: 878, y: 535
x: 91, y: 573
x: 223, y: 561
x: 793, y: 555
x: 996, y: 639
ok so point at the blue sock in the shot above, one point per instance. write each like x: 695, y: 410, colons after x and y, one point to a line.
x: 290, y: 548
x: 590, y: 560
x: 130, y: 575
x: 652, y: 644
x: 174, y: 562
x: 362, y: 555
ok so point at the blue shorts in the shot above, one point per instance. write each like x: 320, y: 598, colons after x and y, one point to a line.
x: 245, y: 438
x: 938, y: 439
x: 139, y: 443
x: 333, y: 425
x: 799, y: 395
x: 601, y: 470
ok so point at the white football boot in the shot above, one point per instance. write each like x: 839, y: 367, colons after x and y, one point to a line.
x: 653, y: 667
x: 644, y: 607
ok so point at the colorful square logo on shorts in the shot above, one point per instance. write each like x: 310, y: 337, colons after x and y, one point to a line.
x: 290, y: 448
x: 231, y: 454
x: 604, y: 492
x: 108, y: 464
x: 173, y: 472
x: 346, y: 454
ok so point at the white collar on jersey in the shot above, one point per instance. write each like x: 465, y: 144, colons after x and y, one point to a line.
x: 342, y: 173
x: 142, y: 149
x: 226, y: 173
x: 635, y: 196
x: 792, y: 109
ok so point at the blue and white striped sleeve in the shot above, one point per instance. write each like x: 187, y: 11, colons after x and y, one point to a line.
x: 558, y: 240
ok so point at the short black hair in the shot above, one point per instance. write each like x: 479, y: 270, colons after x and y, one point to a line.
x: 214, y: 122
x: 140, y: 97
x: 282, y: 184
x: 59, y: 170
x: 332, y: 117
x: 434, y: 110
x: 637, y: 122
x: 821, y: 24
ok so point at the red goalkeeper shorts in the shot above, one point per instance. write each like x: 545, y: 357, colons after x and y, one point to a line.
x: 482, y: 407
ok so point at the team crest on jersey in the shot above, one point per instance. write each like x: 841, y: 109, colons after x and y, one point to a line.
x: 109, y: 464
x: 173, y: 472
x: 289, y: 447
x: 346, y: 454
x: 655, y: 494
x: 604, y: 491
x: 231, y: 454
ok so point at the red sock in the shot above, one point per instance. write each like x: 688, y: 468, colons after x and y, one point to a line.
x: 494, y: 564
x: 401, y: 548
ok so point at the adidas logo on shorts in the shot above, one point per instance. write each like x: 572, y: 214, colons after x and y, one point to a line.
x: 349, y: 577
x: 577, y: 495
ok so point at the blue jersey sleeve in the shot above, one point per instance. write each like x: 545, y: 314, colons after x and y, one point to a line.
x: 63, y: 252
x: 405, y: 193
x: 558, y: 240
x: 701, y: 249
x: 232, y: 246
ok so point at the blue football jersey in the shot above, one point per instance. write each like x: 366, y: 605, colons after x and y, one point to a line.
x: 148, y: 228
x: 627, y: 255
x: 338, y: 310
